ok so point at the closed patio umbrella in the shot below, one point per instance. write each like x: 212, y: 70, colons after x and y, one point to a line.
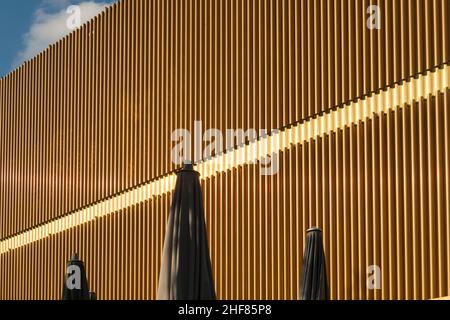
x: 75, y: 281
x: 186, y: 266
x: 314, y: 285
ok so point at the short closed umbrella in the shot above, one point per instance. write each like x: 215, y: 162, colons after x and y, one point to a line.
x: 92, y: 296
x: 314, y: 284
x: 186, y: 266
x: 75, y: 281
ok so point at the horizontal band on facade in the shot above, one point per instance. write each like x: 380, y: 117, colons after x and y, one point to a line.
x: 421, y: 87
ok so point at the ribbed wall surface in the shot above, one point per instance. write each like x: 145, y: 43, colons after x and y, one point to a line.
x: 92, y: 116
x: 379, y: 190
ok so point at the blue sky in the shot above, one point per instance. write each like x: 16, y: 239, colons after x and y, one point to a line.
x: 15, y: 18
x: 29, y: 26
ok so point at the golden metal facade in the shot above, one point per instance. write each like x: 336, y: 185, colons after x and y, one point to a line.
x: 91, y: 117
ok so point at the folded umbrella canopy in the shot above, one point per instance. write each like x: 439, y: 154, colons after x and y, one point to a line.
x: 75, y: 281
x: 314, y: 285
x: 186, y: 266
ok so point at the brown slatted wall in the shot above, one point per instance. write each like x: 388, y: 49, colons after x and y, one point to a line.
x: 277, y: 62
x: 93, y: 114
x: 256, y: 251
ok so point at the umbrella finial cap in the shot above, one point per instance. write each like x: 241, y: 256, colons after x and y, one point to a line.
x: 75, y: 257
x: 314, y: 229
x: 188, y: 165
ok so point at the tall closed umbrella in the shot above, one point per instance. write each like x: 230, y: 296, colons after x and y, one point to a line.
x: 186, y: 266
x: 75, y: 281
x: 314, y: 285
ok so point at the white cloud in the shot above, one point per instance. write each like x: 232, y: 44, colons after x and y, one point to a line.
x: 47, y: 28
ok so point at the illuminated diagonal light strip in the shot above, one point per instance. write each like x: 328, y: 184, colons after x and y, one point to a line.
x: 401, y: 94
